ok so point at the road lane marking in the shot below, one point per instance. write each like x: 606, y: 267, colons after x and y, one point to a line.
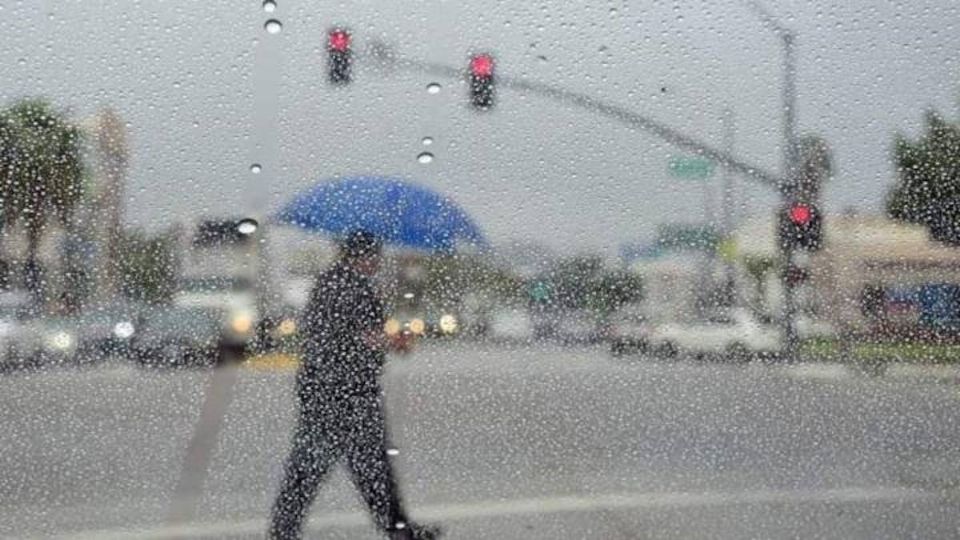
x: 272, y: 362
x: 825, y: 372
x: 537, y: 506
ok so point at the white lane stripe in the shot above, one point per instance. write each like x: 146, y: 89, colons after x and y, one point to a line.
x: 830, y: 372
x: 533, y: 506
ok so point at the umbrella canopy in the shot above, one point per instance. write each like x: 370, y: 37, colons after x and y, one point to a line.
x: 397, y: 211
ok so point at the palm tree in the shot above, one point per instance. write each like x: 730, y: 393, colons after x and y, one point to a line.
x: 41, y: 170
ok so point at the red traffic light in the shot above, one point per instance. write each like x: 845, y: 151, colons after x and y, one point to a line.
x: 339, y: 40
x: 801, y: 214
x: 481, y: 65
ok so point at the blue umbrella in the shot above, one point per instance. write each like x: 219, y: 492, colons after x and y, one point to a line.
x: 397, y: 211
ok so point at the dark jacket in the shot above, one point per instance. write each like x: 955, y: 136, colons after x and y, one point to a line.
x: 343, y: 309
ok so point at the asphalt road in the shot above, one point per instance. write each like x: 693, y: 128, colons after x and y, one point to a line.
x: 498, y: 443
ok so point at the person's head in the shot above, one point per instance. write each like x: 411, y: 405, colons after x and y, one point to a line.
x: 362, y: 251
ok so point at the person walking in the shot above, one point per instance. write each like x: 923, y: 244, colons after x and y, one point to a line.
x: 340, y: 398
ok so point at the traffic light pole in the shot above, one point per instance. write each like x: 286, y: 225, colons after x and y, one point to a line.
x: 784, y: 184
x: 788, y: 185
x: 389, y: 59
x: 789, y: 188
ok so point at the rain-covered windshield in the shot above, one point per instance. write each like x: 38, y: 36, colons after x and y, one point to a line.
x: 290, y: 269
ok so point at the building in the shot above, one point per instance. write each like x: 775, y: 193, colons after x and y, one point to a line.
x: 863, y: 256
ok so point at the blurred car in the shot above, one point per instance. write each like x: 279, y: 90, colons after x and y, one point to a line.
x: 231, y: 299
x: 576, y: 326
x: 43, y: 341
x: 177, y: 337
x: 95, y: 334
x: 628, y: 330
x: 279, y: 330
x: 812, y: 328
x: 403, y: 329
x: 16, y: 345
x: 105, y: 330
x: 737, y: 334
x: 511, y: 325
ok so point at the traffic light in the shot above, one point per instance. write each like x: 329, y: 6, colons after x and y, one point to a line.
x: 481, y: 81
x: 339, y: 56
x: 800, y: 227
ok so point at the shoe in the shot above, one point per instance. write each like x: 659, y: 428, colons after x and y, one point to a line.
x: 415, y: 531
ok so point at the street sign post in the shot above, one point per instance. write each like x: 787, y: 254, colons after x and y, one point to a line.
x: 691, y: 167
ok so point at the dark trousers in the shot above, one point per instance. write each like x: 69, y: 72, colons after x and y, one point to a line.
x: 328, y: 429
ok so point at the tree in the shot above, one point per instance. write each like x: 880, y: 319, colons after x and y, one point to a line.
x: 582, y: 282
x: 610, y: 290
x: 928, y: 187
x: 148, y: 268
x: 40, y: 173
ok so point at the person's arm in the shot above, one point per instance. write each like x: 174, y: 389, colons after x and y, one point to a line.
x: 371, y: 319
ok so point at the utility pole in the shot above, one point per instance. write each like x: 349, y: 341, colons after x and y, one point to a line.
x: 791, y: 167
x: 727, y: 196
x: 112, y: 157
x: 789, y: 178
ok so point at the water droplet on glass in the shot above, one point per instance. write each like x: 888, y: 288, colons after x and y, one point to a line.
x: 256, y: 168
x: 22, y: 61
x: 247, y: 226
x: 269, y: 6
x: 393, y: 452
x: 433, y: 88
x: 427, y: 141
x: 425, y: 157
x: 273, y: 26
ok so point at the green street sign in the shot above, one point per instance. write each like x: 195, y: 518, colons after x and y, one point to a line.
x: 690, y: 167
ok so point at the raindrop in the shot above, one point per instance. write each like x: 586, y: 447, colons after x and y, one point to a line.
x: 425, y: 157
x: 393, y: 452
x: 269, y: 6
x: 22, y: 61
x: 408, y: 295
x: 256, y: 168
x: 273, y: 26
x: 247, y: 226
x: 433, y: 88
x: 427, y: 141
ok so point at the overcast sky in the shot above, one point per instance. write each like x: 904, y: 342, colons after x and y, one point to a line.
x: 207, y: 92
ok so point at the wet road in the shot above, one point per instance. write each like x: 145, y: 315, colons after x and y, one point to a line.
x: 502, y: 443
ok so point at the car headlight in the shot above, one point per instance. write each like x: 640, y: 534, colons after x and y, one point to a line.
x: 241, y: 323
x: 448, y: 324
x: 123, y: 330
x: 392, y: 327
x: 287, y: 327
x: 60, y: 341
x: 417, y: 326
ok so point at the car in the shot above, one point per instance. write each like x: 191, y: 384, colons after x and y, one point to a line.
x: 105, y: 330
x: 736, y: 334
x: 232, y: 299
x: 278, y: 331
x: 17, y: 347
x: 95, y: 334
x: 628, y: 330
x: 45, y: 341
x: 575, y: 326
x: 178, y: 337
x: 809, y: 327
x: 512, y: 325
